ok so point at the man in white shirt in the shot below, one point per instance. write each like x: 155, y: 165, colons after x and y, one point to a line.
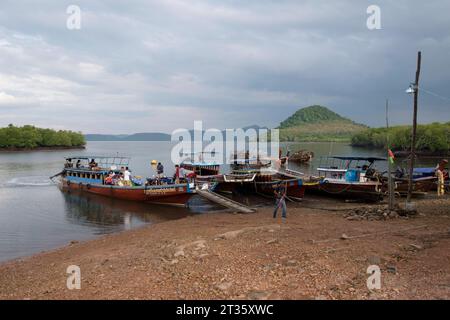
x: 126, y: 174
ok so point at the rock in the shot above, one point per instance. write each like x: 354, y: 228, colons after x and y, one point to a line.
x: 174, y: 261
x: 224, y: 286
x: 230, y: 234
x: 344, y: 237
x: 74, y: 242
x: 291, y: 263
x: 392, y: 269
x: 272, y: 241
x: 179, y: 253
x: 416, y: 246
x: 258, y: 295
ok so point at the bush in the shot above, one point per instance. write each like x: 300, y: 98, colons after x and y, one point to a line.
x: 31, y: 137
x: 432, y: 137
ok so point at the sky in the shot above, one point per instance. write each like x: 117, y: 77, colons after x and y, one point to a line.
x: 158, y: 65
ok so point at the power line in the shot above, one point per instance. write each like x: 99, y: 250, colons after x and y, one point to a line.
x: 434, y: 94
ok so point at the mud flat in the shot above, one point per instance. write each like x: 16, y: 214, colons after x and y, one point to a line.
x: 320, y: 253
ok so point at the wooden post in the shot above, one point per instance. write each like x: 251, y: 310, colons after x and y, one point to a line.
x: 390, y: 182
x: 414, y: 129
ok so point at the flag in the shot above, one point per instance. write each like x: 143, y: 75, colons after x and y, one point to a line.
x: 391, y: 156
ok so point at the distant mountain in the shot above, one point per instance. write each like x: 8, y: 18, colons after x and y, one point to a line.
x: 144, y: 136
x: 318, y: 123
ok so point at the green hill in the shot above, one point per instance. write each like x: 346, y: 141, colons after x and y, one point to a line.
x: 318, y: 123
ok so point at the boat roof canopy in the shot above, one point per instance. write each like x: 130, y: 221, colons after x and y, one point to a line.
x: 96, y: 157
x: 105, y: 160
x: 370, y: 159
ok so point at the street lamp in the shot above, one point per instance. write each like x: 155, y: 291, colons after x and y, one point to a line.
x: 412, y: 88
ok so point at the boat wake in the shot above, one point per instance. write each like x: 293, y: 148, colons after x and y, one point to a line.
x: 30, y: 181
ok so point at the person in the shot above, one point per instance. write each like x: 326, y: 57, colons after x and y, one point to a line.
x: 126, y: 174
x: 109, y: 178
x: 78, y: 164
x: 69, y: 163
x: 92, y: 164
x: 280, y: 194
x: 177, y: 175
x: 439, y: 172
x: 286, y: 163
x: 160, y: 169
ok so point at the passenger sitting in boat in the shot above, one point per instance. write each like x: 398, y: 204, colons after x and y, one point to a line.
x: 78, y: 164
x: 68, y: 163
x: 92, y: 164
x: 109, y: 179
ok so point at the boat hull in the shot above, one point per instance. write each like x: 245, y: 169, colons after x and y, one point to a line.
x: 262, y: 184
x: 177, y: 195
x: 365, y: 191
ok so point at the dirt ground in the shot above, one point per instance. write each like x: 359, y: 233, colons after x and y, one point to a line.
x: 319, y: 253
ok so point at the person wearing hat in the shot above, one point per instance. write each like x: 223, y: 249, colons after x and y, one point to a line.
x: 440, y: 174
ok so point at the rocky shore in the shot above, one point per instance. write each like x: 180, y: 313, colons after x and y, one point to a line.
x: 319, y: 253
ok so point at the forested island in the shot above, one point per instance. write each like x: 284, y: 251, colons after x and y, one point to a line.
x: 318, y: 123
x: 28, y: 137
x: 433, y: 138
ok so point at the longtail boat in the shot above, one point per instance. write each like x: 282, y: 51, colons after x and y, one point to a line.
x: 257, y: 177
x: 105, y: 178
x: 424, y: 180
x: 349, y: 177
x: 197, y: 163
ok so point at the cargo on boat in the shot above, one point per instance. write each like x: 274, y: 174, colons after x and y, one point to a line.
x: 111, y: 177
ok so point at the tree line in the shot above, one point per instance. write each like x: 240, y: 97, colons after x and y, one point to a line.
x: 434, y: 137
x: 29, y: 137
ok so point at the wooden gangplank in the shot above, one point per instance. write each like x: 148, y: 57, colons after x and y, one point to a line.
x: 224, y: 201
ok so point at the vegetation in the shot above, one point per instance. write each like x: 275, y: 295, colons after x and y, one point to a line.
x: 432, y: 138
x: 318, y: 123
x: 30, y: 137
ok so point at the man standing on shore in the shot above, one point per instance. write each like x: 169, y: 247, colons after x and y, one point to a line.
x: 280, y: 194
x: 440, y: 174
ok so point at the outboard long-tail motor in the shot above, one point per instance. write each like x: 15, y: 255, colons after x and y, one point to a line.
x: 58, y: 174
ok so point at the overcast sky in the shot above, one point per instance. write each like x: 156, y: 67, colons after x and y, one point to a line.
x: 157, y: 65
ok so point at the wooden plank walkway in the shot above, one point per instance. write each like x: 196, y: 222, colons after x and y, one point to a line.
x: 224, y: 201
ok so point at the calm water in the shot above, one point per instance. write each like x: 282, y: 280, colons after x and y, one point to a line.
x: 35, y: 215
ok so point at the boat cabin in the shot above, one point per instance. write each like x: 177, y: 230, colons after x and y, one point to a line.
x: 349, y: 169
x: 92, y: 169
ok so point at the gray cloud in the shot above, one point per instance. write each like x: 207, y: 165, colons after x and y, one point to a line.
x: 159, y: 65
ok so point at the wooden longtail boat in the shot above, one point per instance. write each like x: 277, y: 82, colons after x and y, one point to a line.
x: 257, y: 177
x: 424, y: 180
x: 201, y: 167
x: 92, y: 179
x: 349, y: 177
x: 300, y: 156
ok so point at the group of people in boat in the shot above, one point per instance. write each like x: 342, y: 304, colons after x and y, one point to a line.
x: 92, y: 164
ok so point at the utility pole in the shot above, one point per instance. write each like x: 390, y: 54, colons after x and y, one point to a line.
x: 414, y: 129
x: 390, y: 182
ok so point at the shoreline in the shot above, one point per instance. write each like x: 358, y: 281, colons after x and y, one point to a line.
x: 59, y: 148
x: 252, y: 256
